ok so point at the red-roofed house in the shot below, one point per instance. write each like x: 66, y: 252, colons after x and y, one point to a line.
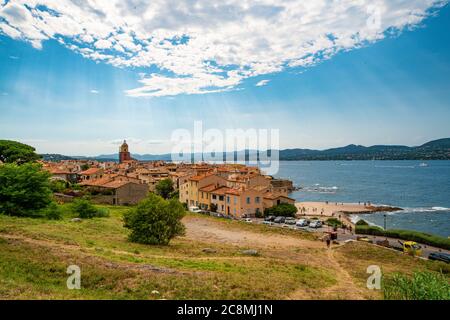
x: 91, y: 174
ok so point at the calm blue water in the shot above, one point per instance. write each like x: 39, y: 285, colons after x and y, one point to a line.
x: 423, y: 191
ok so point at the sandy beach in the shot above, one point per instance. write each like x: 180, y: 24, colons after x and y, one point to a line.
x: 337, y: 209
x: 330, y: 208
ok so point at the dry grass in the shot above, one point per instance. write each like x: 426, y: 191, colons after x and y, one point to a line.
x: 34, y: 255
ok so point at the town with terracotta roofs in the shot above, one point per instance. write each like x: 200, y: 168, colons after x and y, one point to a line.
x: 233, y: 190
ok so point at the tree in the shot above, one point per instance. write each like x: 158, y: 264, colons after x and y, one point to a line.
x: 164, y: 188
x: 155, y: 220
x: 16, y: 152
x: 282, y: 209
x: 24, y: 189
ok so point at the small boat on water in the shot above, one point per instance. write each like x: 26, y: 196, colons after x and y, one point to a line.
x: 423, y: 164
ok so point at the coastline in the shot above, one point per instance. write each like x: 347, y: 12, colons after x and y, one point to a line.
x: 340, y: 210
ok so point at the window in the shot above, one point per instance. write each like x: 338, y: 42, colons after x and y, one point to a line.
x: 214, y: 197
x: 235, y: 199
x: 248, y: 200
x: 228, y: 199
x: 221, y: 198
x: 257, y: 199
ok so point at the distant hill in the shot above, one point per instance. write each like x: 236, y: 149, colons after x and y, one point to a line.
x: 55, y: 157
x: 433, y: 150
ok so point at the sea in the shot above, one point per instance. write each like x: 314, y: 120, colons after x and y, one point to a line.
x: 421, y: 188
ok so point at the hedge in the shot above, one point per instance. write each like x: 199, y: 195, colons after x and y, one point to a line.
x: 333, y: 222
x: 409, y: 235
x: 282, y: 209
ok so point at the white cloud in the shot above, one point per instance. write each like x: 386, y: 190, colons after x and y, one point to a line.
x: 94, y: 91
x: 200, y: 47
x: 103, y: 44
x: 262, y: 83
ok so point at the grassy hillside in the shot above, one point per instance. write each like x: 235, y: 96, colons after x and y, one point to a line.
x: 34, y: 255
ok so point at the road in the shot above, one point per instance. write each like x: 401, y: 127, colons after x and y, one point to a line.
x: 344, y: 235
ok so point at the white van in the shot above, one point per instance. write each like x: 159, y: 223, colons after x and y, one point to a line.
x: 194, y: 209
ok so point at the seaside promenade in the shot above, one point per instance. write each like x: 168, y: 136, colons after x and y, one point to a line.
x: 339, y: 210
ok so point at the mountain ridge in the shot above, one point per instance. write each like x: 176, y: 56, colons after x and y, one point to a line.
x: 433, y: 150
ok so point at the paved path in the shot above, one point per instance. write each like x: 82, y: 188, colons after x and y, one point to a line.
x: 394, y: 243
x: 346, y: 235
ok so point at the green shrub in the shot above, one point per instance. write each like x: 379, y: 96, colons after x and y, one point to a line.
x: 283, y: 209
x: 52, y: 212
x: 57, y: 186
x: 86, y: 210
x: 155, y: 220
x: 333, y: 222
x: 410, y: 235
x: 421, y: 286
x: 361, y: 223
x: 259, y: 214
x: 164, y: 188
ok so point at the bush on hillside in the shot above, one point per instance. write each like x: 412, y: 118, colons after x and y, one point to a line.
x: 155, y: 220
x: 283, y: 209
x: 24, y: 189
x: 333, y: 222
x: 361, y: 223
x: 164, y: 188
x: 58, y: 186
x: 84, y: 209
x: 421, y: 286
x: 52, y: 212
x: 409, y: 235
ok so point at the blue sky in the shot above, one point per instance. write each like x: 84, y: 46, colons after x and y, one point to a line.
x: 391, y: 90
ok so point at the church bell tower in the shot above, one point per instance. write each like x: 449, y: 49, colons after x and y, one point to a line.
x: 124, y: 154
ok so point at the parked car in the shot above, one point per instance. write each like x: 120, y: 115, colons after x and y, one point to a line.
x: 269, y: 218
x: 315, y: 224
x: 279, y: 219
x: 363, y: 238
x: 302, y: 223
x: 289, y: 220
x: 194, y: 209
x: 267, y: 222
x: 439, y: 256
x: 248, y: 220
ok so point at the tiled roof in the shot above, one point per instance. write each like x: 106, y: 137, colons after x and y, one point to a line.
x: 90, y: 171
x: 220, y: 190
x: 271, y: 196
x: 200, y: 177
x: 234, y: 191
x: 59, y: 171
x: 96, y: 182
x: 115, y: 184
x: 209, y: 188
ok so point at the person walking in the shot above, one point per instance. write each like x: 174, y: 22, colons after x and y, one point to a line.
x: 328, y: 241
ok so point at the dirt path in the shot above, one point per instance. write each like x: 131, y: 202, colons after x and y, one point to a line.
x: 210, y: 231
x: 344, y: 288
